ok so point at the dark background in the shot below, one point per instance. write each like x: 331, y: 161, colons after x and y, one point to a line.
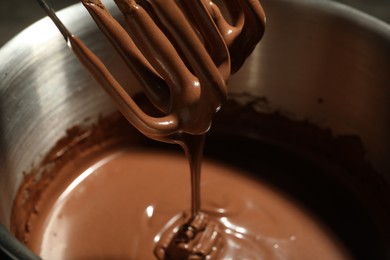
x: 15, y: 15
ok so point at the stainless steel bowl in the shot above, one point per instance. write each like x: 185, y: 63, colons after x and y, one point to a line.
x: 319, y: 61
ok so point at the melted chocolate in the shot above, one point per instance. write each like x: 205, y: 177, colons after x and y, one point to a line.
x: 113, y: 202
x: 109, y: 196
x: 119, y: 202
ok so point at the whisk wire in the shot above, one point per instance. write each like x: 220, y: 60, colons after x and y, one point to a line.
x: 52, y: 14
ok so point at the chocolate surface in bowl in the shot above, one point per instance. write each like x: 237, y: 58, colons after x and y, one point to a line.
x: 319, y: 62
x: 112, y: 189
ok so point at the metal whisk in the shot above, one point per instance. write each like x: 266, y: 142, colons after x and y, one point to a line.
x: 182, y: 52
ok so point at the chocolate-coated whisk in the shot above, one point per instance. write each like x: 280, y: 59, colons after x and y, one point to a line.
x: 182, y: 52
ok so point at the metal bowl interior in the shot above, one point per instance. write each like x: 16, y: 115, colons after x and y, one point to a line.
x: 319, y: 61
